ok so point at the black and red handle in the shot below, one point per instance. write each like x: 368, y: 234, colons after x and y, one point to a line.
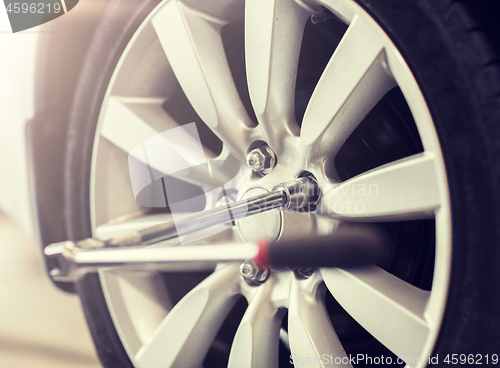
x: 348, y: 248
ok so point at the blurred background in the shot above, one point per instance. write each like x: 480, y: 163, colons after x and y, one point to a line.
x: 40, y: 325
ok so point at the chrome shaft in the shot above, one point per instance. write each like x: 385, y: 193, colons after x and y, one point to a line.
x: 70, y: 262
x: 294, y: 194
x: 204, y: 220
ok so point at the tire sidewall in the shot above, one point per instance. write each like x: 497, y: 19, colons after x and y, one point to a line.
x: 119, y: 23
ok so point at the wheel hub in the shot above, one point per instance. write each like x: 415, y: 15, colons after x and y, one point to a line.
x: 266, y: 225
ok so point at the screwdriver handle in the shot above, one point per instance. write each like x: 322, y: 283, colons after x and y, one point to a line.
x: 362, y: 247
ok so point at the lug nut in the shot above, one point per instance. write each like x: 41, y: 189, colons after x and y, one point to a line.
x: 262, y: 160
x: 252, y: 273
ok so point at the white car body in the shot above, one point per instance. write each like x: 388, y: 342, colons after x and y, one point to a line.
x: 17, y: 105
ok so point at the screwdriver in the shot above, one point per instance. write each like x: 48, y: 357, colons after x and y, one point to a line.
x: 67, y: 260
x: 359, y: 248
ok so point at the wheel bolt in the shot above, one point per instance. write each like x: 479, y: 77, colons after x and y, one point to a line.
x: 252, y: 273
x: 262, y: 160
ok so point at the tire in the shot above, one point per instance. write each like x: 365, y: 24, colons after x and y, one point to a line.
x: 465, y: 73
x: 452, y: 50
x: 120, y: 21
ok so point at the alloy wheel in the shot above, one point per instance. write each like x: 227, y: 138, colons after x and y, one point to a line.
x: 315, y: 90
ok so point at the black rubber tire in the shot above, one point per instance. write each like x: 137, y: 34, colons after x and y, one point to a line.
x: 452, y: 48
x: 121, y: 20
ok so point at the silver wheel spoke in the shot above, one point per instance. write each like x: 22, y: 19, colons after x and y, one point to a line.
x: 185, y: 335
x: 387, y: 307
x: 130, y: 121
x: 138, y: 290
x: 225, y: 10
x: 273, y: 35
x: 194, y: 49
x: 117, y: 228
x: 136, y: 126
x: 404, y: 189
x: 310, y: 330
x: 354, y: 80
x: 255, y: 344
